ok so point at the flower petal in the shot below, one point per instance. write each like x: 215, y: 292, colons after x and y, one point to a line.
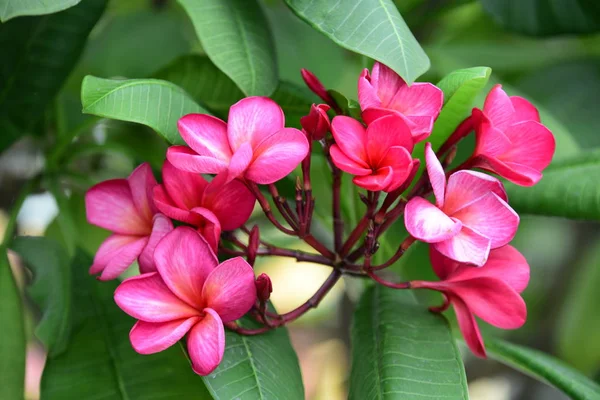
x: 386, y: 132
x: 420, y: 127
x: 533, y: 145
x: 142, y: 182
x: 376, y: 181
x: 184, y: 260
x: 206, y: 135
x: 162, y: 226
x: 468, y: 246
x: 206, y: 343
x: 437, y: 176
x: 490, y: 141
x: 166, y: 206
x: 277, y: 155
x: 442, y: 265
x: 498, y: 108
x: 468, y: 327
x: 230, y: 289
x: 240, y: 162
x: 418, y: 99
x: 401, y: 162
x: 110, y: 205
x: 351, y: 137
x: 185, y: 189
x: 524, y: 110
x: 465, y: 187
x: 231, y: 203
x: 387, y: 83
x: 116, y: 254
x: 367, y: 94
x: 186, y: 159
x: 347, y: 164
x: 147, y: 298
x: 209, y: 227
x: 515, y: 173
x: 152, y: 337
x: 253, y: 119
x: 428, y: 223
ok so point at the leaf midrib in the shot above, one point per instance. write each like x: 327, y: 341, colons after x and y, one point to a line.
x: 251, y: 66
x: 377, y: 335
x: 254, y: 370
x: 400, y: 42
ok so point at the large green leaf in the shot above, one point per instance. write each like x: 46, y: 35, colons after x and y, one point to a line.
x: 50, y: 289
x: 400, y: 350
x: 546, y: 17
x: 373, y: 28
x: 152, y: 102
x: 235, y: 35
x: 570, y: 188
x: 544, y: 367
x: 100, y: 363
x: 12, y: 344
x: 38, y: 53
x: 15, y: 8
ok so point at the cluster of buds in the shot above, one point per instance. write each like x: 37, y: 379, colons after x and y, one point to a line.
x: 184, y: 291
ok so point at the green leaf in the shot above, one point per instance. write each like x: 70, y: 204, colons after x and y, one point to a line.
x: 50, y: 289
x: 545, y: 368
x: 257, y: 367
x: 16, y: 8
x: 38, y: 53
x: 235, y: 35
x: 400, y: 350
x: 546, y: 17
x: 349, y: 106
x: 12, y: 345
x: 151, y: 102
x: 373, y: 28
x: 569, y: 188
x: 100, y: 362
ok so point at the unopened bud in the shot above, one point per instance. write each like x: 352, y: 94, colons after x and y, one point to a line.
x: 253, y: 244
x: 264, y: 287
x: 316, y: 123
x: 315, y: 85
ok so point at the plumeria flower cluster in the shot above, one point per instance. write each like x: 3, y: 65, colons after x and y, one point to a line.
x: 175, y: 229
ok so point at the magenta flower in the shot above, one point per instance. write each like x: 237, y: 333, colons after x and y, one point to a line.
x: 188, y: 197
x: 125, y: 207
x: 378, y: 156
x: 384, y: 92
x: 470, y: 215
x: 316, y: 123
x: 253, y: 144
x: 191, y: 293
x: 491, y: 292
x: 511, y: 141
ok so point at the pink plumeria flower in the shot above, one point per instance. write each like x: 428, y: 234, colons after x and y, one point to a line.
x: 316, y: 123
x: 378, y: 156
x: 191, y: 293
x: 470, y: 217
x: 211, y: 207
x: 125, y: 207
x: 253, y: 144
x: 384, y: 92
x: 511, y: 141
x: 491, y: 292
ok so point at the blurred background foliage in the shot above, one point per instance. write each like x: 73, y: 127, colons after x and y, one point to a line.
x: 554, y: 64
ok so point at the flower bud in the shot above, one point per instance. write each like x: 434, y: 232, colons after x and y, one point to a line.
x: 316, y: 123
x: 315, y: 85
x: 253, y: 243
x: 264, y: 287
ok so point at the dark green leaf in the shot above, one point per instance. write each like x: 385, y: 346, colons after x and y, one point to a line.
x: 235, y: 35
x: 16, y: 8
x: 545, y: 368
x: 373, y: 28
x: 546, y: 17
x: 400, y: 350
x: 12, y: 345
x: 570, y: 188
x: 100, y: 362
x: 349, y: 106
x: 38, y: 53
x: 152, y: 102
x: 50, y: 289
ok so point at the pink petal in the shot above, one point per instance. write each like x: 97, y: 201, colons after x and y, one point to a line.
x: 420, y: 126
x: 240, y: 161
x: 428, y: 223
x: 230, y: 289
x: 152, y: 337
x: 491, y: 141
x: 231, y: 203
x: 442, y: 265
x: 346, y: 164
x: 147, y: 298
x: 206, y: 343
x: 498, y: 107
x: 142, y: 182
x: 110, y: 205
x: 367, y: 94
x: 492, y: 217
x: 206, y: 135
x: 351, y: 137
x: 185, y: 189
x: 468, y: 327
x: 524, y: 110
x: 166, y: 206
x: 370, y: 115
x: 387, y: 82
x: 386, y: 132
x: 277, y: 155
x: 533, y: 145
x: 116, y: 254
x: 401, y: 162
x: 184, y: 260
x: 464, y: 187
x: 376, y: 181
x: 437, y: 176
x: 209, y: 227
x: 253, y: 119
x: 418, y: 99
x: 162, y: 226
x: 468, y: 246
x: 516, y: 173
x: 187, y: 160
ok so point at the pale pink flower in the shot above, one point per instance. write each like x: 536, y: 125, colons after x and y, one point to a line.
x: 511, y: 141
x: 491, y: 292
x: 316, y: 123
x: 125, y: 207
x: 210, y: 207
x: 470, y: 216
x: 378, y: 156
x: 191, y: 293
x: 253, y: 144
x: 384, y: 92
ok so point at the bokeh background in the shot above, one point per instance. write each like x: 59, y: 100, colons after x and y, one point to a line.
x: 561, y: 75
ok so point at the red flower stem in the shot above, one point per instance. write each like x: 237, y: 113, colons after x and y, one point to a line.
x: 300, y: 256
x: 338, y: 222
x: 362, y: 225
x: 399, y: 253
x: 266, y: 207
x: 461, y: 131
x: 399, y: 285
x: 283, y: 206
